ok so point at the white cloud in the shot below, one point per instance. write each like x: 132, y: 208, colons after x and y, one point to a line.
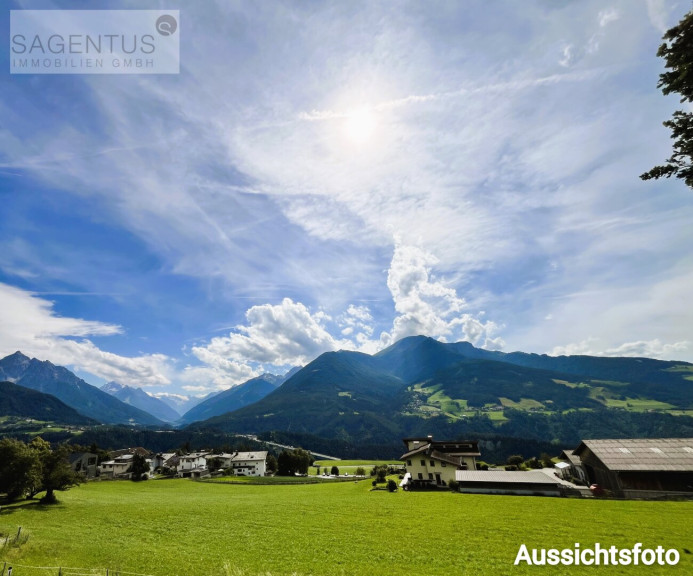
x: 640, y: 349
x: 285, y: 334
x: 658, y: 13
x: 425, y: 305
x: 290, y: 334
x: 607, y: 16
x: 28, y: 323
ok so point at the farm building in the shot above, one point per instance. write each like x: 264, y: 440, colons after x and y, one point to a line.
x: 434, y: 463
x: 639, y: 468
x: 571, y: 467
x: 533, y: 483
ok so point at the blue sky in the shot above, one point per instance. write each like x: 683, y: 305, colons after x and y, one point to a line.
x: 341, y: 175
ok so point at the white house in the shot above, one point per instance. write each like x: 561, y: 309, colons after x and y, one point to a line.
x: 434, y: 463
x: 249, y: 463
x: 117, y: 468
x: 192, y: 465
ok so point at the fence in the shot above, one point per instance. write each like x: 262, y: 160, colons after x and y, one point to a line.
x: 12, y: 569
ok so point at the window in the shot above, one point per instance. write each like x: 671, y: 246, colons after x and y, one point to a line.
x: 423, y: 462
x: 430, y: 476
x: 420, y: 476
x: 433, y: 463
x: 443, y: 464
x: 408, y: 462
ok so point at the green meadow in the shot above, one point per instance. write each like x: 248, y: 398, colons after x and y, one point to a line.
x: 181, y: 527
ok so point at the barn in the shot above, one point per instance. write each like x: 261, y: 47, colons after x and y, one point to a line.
x: 639, y: 468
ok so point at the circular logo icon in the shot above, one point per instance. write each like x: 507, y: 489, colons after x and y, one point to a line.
x: 166, y: 25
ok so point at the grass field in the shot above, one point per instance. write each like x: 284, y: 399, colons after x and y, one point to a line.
x: 350, y: 466
x: 180, y: 527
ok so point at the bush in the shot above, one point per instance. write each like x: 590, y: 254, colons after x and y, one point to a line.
x: 515, y: 460
x: 391, y: 485
x: 334, y: 471
x: 380, y: 473
x: 360, y: 471
x: 374, y: 483
x: 453, y: 485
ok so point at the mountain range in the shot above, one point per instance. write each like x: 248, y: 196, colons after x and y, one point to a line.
x: 59, y: 382
x: 421, y: 386
x: 234, y: 398
x: 417, y: 386
x: 140, y: 399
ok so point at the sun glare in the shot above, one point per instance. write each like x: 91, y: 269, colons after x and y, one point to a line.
x: 360, y: 126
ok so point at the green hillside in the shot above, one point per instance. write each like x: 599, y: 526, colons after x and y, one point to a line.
x: 24, y: 403
x: 421, y: 386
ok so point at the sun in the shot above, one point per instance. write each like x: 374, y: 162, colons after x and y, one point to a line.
x: 360, y: 126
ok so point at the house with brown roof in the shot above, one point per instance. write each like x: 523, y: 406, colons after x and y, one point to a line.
x: 431, y: 462
x: 639, y: 468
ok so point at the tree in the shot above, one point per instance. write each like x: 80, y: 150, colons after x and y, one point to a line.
x: 677, y: 50
x: 20, y: 469
x: 391, y: 485
x: 546, y: 460
x: 380, y: 472
x: 334, y: 471
x: 139, y: 468
x: 360, y: 471
x: 56, y: 473
x: 293, y: 462
x: 515, y: 460
x: 214, y: 464
x: 271, y: 463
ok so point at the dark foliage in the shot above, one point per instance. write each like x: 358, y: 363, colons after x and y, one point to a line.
x: 677, y: 51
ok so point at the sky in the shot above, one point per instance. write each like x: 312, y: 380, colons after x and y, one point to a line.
x: 340, y: 175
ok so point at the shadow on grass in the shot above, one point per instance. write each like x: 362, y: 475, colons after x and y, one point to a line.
x: 33, y: 505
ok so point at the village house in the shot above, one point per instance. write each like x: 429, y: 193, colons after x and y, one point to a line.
x: 434, y: 463
x: 249, y: 463
x: 117, y: 468
x: 193, y: 465
x: 163, y: 460
x: 84, y: 463
x: 120, y: 464
x: 639, y: 468
x: 241, y: 463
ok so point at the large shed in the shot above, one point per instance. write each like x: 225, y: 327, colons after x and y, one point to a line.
x: 648, y: 467
x: 532, y: 483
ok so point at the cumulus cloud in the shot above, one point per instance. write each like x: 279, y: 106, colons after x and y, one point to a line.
x: 639, y: 349
x: 29, y: 323
x: 425, y: 305
x: 281, y: 335
x: 289, y: 333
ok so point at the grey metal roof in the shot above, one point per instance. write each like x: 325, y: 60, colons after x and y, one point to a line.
x: 509, y: 477
x: 644, y: 455
x: 570, y: 457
